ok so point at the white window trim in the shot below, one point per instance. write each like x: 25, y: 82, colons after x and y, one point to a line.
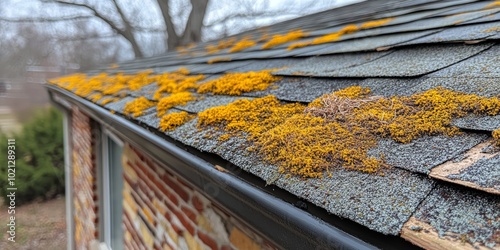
x: 68, y: 178
x: 105, y: 185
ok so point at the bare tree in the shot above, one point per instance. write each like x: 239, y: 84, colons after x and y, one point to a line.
x: 192, y: 30
x: 175, y: 22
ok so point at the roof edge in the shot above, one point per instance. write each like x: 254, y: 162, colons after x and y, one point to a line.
x: 290, y: 227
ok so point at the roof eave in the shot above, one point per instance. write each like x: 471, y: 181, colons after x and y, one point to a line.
x: 284, y: 224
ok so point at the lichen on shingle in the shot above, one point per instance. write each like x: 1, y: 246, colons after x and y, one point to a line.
x: 467, y: 215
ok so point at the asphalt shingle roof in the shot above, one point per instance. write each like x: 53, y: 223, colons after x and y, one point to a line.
x: 427, y: 44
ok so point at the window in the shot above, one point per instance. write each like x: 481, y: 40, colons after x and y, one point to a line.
x: 111, y: 190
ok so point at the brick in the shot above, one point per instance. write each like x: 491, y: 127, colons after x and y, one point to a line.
x: 208, y: 240
x: 192, y: 243
x: 148, y: 214
x: 177, y: 189
x: 178, y: 230
x: 197, y: 203
x: 159, y: 207
x: 157, y: 246
x: 185, y: 222
x: 146, y: 235
x: 168, y: 194
x: 167, y: 247
x: 241, y: 241
x: 189, y: 213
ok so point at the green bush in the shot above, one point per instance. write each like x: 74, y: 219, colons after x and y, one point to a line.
x: 39, y: 158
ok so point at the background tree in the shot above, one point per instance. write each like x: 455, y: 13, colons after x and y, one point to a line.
x: 153, y: 26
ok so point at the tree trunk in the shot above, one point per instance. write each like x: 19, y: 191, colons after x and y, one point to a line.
x: 172, y: 39
x: 192, y: 32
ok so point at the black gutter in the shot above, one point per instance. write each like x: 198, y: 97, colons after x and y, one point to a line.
x: 285, y: 225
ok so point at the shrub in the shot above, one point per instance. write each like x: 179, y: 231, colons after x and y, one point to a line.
x: 39, y: 158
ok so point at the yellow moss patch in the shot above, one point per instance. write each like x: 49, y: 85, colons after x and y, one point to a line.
x: 496, y: 137
x: 183, y: 50
x: 175, y: 82
x: 219, y: 59
x: 95, y: 97
x: 493, y: 5
x: 241, y: 45
x: 116, y: 85
x: 335, y: 36
x: 350, y: 92
x: 249, y: 116
x: 332, y: 37
x: 224, y: 137
x: 340, y: 128
x: 173, y: 120
x: 137, y: 106
x: 109, y: 100
x: 166, y: 103
x: 376, y: 23
x: 238, y: 83
x: 222, y: 44
x: 281, y: 39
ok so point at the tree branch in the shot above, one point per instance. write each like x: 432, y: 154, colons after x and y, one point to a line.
x: 192, y: 32
x: 45, y: 19
x: 128, y: 34
x: 125, y: 33
x: 173, y: 38
x: 247, y: 16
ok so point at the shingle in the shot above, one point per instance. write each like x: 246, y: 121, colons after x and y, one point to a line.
x: 485, y: 173
x: 410, y: 61
x: 151, y: 120
x: 483, y: 86
x: 301, y: 89
x: 485, y: 19
x: 482, y: 123
x: 219, y: 67
x: 390, y: 86
x: 382, y: 29
x: 454, y: 210
x: 257, y: 65
x: 382, y: 203
x: 362, y: 44
x: 425, y: 153
x: 460, y: 33
x: 147, y: 91
x: 485, y: 64
x: 318, y: 64
x: 429, y: 5
x: 118, y: 106
x: 260, y: 54
x: 467, y: 8
x: 436, y: 22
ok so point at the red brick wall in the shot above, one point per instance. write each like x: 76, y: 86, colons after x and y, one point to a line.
x: 163, y: 212
x: 84, y: 180
x: 160, y: 211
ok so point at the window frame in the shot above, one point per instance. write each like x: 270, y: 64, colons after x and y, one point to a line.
x: 105, y: 185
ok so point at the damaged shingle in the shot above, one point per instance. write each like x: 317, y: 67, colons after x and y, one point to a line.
x: 485, y: 173
x: 471, y: 215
